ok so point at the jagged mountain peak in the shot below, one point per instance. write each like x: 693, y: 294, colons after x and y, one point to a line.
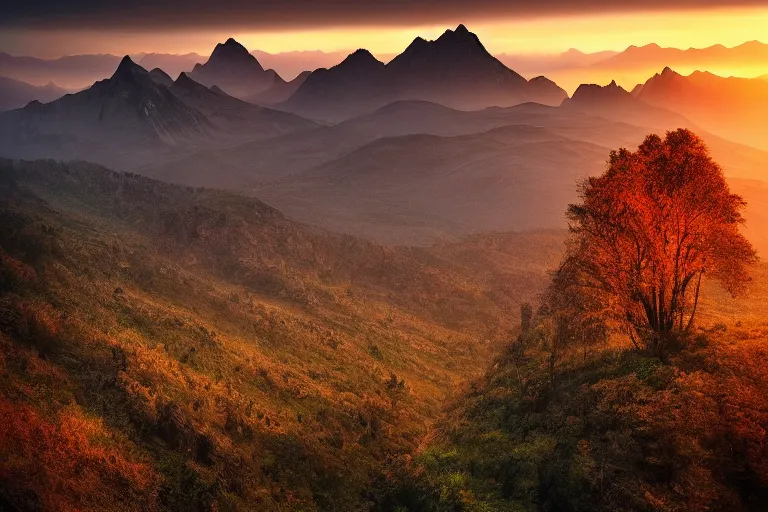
x: 230, y: 55
x: 183, y: 80
x: 360, y: 58
x: 184, y: 85
x: 455, y: 70
x: 668, y: 73
x: 128, y: 69
x: 461, y: 37
x: 161, y: 77
x: 589, y: 93
x: 235, y: 70
x: 361, y: 54
x: 231, y: 49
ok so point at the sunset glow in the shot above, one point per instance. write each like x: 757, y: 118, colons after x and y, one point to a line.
x: 539, y: 35
x: 384, y: 255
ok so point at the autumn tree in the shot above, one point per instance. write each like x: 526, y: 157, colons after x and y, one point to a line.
x: 648, y: 230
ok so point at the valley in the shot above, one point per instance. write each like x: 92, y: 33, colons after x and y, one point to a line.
x: 368, y: 286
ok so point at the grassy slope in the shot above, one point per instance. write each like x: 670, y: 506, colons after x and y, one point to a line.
x: 164, y: 347
x: 618, y: 432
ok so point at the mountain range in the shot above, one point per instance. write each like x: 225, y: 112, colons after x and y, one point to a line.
x: 441, y: 142
x: 77, y: 72
x: 636, y: 63
x: 414, y: 172
x: 16, y: 94
x: 736, y: 108
x: 750, y: 55
x: 454, y: 70
x: 137, y: 116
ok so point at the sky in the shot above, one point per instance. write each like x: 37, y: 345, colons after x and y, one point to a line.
x: 53, y: 28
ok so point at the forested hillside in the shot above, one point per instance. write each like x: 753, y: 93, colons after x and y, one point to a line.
x: 171, y: 348
x: 639, y: 382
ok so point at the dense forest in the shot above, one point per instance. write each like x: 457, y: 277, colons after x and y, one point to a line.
x: 613, y: 397
x: 171, y: 348
x: 165, y: 347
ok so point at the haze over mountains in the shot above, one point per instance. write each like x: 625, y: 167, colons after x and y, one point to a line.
x: 16, y: 94
x: 454, y: 70
x: 736, y: 108
x: 135, y: 116
x: 80, y: 71
x: 286, y: 303
x: 635, y: 64
x: 441, y: 142
x: 236, y: 71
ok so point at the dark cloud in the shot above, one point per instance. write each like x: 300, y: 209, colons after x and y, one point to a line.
x: 281, y: 14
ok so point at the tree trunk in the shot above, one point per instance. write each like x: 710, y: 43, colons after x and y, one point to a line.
x: 695, y: 303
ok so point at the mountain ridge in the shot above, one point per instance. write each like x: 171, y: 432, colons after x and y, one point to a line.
x: 731, y: 107
x: 133, y: 118
x: 455, y: 70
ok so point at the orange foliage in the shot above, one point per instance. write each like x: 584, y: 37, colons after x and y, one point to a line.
x: 59, y: 463
x: 650, y: 227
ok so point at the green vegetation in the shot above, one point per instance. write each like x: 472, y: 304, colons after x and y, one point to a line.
x: 174, y: 348
x: 609, y: 400
x: 170, y: 348
x: 618, y: 431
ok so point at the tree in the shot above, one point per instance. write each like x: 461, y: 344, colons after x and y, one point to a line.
x: 575, y: 316
x: 648, y: 230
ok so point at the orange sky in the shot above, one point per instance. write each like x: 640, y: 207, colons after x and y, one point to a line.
x: 533, y: 35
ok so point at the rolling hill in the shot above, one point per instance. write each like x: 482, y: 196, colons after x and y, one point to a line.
x: 199, y: 349
x: 421, y: 188
x: 392, y: 163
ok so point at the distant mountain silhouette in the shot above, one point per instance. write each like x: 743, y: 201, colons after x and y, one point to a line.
x: 593, y: 94
x: 133, y: 116
x: 613, y: 102
x: 16, y: 94
x: 161, y: 77
x: 543, y: 64
x: 235, y: 71
x: 636, y: 63
x: 454, y: 70
x: 76, y: 72
x: 172, y: 64
x: 457, y: 67
x: 70, y: 72
x: 357, y: 84
x: 280, y: 90
x: 291, y: 64
x: 130, y: 107
x: 735, y: 108
x: 654, y: 56
x: 231, y: 115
